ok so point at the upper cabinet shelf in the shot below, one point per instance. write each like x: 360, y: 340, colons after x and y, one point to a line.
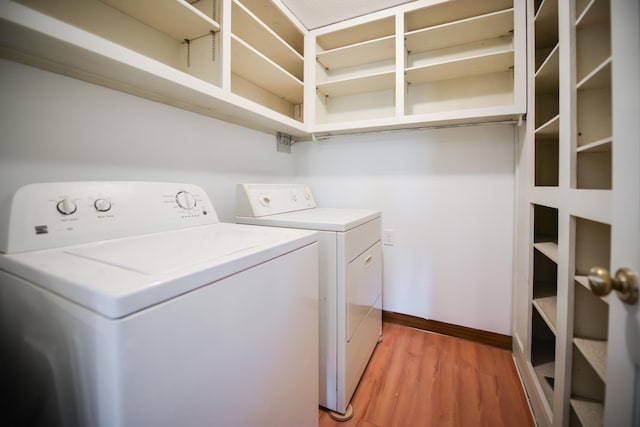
x: 351, y: 86
x: 445, y: 62
x: 254, y: 32
x: 366, y: 52
x: 488, y: 26
x: 176, y: 18
x: 267, y: 57
x: 245, y: 60
x: 454, y: 65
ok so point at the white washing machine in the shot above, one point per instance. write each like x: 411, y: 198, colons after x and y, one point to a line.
x: 350, y: 279
x: 130, y: 304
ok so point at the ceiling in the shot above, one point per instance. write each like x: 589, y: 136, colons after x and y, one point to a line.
x: 318, y: 13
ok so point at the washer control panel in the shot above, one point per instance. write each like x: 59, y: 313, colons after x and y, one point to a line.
x: 50, y: 215
x: 256, y: 200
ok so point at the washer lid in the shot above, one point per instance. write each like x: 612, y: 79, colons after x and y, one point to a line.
x: 118, y: 277
x: 322, y: 219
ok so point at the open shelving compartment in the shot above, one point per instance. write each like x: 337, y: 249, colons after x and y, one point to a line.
x: 593, y: 96
x: 459, y: 57
x: 590, y: 325
x: 172, y: 32
x: 267, y: 65
x: 547, y: 118
x: 544, y: 298
x: 355, y: 73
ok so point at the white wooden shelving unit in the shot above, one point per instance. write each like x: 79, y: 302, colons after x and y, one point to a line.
x: 265, y: 66
x: 442, y: 63
x: 173, y: 51
x: 424, y: 63
x: 565, y: 186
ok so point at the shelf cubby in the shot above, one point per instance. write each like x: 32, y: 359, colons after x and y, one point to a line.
x: 274, y: 19
x: 258, y: 43
x: 543, y: 348
x: 586, y: 413
x: 593, y: 37
x: 459, y: 33
x: 366, y: 52
x: 355, y: 73
x: 446, y: 13
x: 545, y: 30
x: 356, y: 34
x: 590, y: 326
x: 587, y: 391
x: 248, y: 27
x: 463, y: 62
x: 546, y: 168
x: 354, y: 107
x: 592, y: 245
x: 594, y: 129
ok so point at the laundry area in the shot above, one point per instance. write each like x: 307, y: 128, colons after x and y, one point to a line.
x: 243, y: 193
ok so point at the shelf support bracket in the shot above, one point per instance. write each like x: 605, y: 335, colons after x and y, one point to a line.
x: 283, y: 142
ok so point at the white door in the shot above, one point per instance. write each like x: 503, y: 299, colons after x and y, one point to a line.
x: 622, y: 401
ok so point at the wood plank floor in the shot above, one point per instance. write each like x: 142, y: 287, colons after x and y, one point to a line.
x: 417, y: 378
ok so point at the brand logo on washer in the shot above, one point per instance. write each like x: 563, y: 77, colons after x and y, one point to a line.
x: 41, y: 229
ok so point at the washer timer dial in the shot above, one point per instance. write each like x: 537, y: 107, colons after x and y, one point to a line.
x: 66, y: 207
x: 102, y: 205
x: 185, y: 200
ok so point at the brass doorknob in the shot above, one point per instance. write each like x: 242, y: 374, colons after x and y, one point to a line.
x: 625, y: 283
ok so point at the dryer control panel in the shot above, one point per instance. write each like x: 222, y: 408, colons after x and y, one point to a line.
x: 256, y: 200
x: 48, y: 215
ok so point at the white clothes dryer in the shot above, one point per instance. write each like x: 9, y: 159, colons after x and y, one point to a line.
x: 130, y: 304
x: 350, y: 280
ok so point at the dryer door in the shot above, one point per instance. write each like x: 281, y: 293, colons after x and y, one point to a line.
x: 364, y: 286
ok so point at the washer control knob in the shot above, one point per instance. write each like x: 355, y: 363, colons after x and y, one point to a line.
x: 185, y: 200
x: 102, y: 205
x: 66, y: 207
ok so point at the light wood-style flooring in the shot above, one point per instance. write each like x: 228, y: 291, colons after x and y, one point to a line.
x: 422, y: 379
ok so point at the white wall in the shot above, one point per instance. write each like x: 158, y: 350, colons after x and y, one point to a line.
x: 448, y: 196
x: 54, y: 128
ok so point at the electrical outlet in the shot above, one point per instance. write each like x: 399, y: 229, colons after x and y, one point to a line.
x: 387, y: 237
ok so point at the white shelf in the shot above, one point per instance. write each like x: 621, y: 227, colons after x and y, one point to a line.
x: 272, y: 17
x: 358, y: 54
x: 488, y: 26
x: 176, y: 18
x: 349, y: 36
x: 251, y: 65
x: 589, y: 413
x: 543, y: 371
x: 546, y: 24
x: 600, y: 146
x: 584, y: 281
x: 362, y: 84
x: 550, y: 128
x: 596, y: 12
x: 547, y: 75
x: 548, y: 249
x: 246, y: 26
x: 595, y: 352
x: 547, y: 307
x: 463, y: 67
x: 599, y: 78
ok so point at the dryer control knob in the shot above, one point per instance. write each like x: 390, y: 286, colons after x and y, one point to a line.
x: 102, y: 205
x: 66, y: 207
x: 185, y: 200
